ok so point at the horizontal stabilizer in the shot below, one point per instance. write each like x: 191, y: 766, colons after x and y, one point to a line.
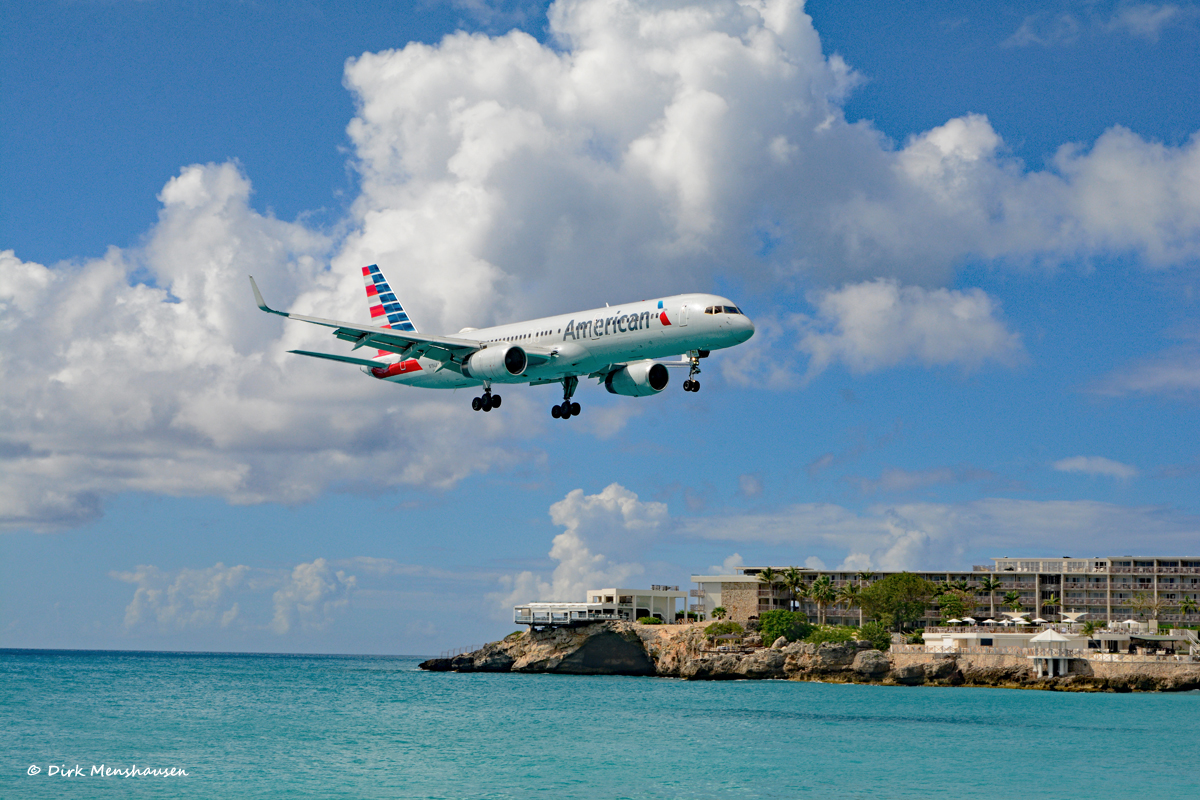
x: 362, y: 362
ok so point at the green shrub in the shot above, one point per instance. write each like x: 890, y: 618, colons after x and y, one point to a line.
x: 722, y: 628
x: 832, y: 633
x: 650, y: 620
x: 917, y: 636
x: 877, y: 634
x: 514, y: 635
x: 791, y: 625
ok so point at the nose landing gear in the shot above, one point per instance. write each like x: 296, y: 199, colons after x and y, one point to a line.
x: 566, y: 409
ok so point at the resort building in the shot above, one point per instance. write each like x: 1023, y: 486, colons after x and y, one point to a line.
x: 662, y: 602
x: 1102, y: 589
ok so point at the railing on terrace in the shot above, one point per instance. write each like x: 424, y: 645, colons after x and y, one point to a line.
x: 458, y: 651
x: 557, y: 618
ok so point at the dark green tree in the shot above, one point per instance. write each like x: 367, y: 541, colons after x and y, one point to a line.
x: 898, y: 599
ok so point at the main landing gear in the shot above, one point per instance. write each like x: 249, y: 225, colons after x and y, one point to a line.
x: 691, y: 384
x: 487, y: 402
x: 566, y: 409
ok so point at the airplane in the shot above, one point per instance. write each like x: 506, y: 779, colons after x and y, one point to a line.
x: 616, y: 345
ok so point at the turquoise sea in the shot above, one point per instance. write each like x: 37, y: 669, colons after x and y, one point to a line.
x: 267, y: 726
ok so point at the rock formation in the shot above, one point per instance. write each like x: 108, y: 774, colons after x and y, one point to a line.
x: 682, y: 651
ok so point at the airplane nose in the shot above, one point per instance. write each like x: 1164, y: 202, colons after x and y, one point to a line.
x: 747, y: 329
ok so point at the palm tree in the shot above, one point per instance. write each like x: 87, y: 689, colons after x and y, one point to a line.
x: 864, y: 576
x: 1187, y: 606
x: 1146, y: 604
x: 803, y: 592
x: 823, y: 593
x: 1013, y: 600
x: 719, y: 612
x: 793, y: 580
x: 1051, y: 602
x: 1091, y: 626
x: 770, y: 577
x: 849, y: 596
x: 989, y: 584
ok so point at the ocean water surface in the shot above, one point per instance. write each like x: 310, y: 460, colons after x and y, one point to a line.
x: 266, y: 726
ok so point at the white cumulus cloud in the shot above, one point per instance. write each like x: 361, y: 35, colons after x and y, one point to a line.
x: 878, y: 324
x: 189, y: 598
x: 614, y: 521
x: 1096, y: 465
x: 311, y: 597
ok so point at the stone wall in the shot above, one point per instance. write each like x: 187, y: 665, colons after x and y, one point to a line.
x: 740, y: 601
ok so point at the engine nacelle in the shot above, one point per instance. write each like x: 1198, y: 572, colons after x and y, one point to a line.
x: 639, y: 379
x: 496, y: 363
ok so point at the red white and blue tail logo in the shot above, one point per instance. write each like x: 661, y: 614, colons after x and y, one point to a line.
x: 386, y: 311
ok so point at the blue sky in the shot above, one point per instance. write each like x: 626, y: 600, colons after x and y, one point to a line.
x: 969, y: 241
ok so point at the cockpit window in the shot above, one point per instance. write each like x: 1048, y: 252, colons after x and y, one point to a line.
x: 731, y: 310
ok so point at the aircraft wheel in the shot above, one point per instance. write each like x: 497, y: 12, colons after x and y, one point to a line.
x: 476, y: 404
x: 495, y: 401
x: 564, y: 410
x: 574, y: 409
x: 487, y: 402
x: 695, y: 386
x: 687, y: 385
x: 555, y: 412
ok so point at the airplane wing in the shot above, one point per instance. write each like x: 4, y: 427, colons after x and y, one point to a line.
x: 450, y: 351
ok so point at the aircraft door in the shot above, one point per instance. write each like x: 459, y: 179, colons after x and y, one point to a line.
x: 683, y: 315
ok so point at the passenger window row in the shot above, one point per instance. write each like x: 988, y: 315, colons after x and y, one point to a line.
x: 521, y: 337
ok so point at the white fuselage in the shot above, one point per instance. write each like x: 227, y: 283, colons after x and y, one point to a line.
x: 588, y: 341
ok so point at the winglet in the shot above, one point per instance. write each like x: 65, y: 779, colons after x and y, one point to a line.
x: 258, y: 298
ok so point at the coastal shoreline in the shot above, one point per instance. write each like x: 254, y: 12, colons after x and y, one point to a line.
x: 682, y: 651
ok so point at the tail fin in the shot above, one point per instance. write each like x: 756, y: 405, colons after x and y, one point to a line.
x: 386, y: 310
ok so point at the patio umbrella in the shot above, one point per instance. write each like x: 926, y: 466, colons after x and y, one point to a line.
x: 969, y: 619
x: 989, y: 622
x: 953, y: 621
x: 1039, y: 620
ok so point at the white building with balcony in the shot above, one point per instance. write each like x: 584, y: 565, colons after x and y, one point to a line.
x: 661, y: 602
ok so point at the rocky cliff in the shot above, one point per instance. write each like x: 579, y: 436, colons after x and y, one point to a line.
x: 680, y: 651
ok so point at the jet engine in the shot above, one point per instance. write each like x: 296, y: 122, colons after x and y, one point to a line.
x: 639, y: 379
x: 495, y: 363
